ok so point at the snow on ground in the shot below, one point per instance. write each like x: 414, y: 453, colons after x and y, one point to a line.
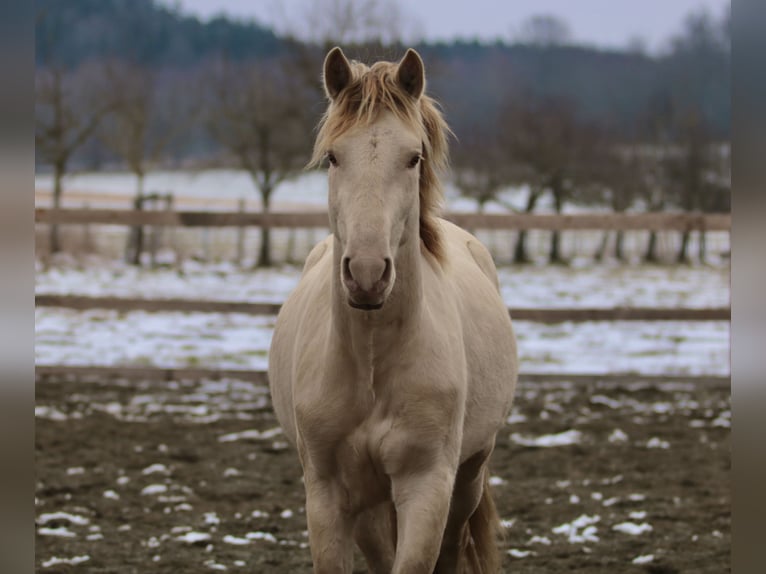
x: 241, y: 341
x: 532, y: 286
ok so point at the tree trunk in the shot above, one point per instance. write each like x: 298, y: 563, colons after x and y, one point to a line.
x: 264, y: 256
x: 619, y: 246
x: 683, y: 252
x: 58, y: 176
x: 136, y: 240
x: 651, y: 249
x: 520, y: 255
x: 702, y: 246
x: 555, y: 256
x: 601, y: 251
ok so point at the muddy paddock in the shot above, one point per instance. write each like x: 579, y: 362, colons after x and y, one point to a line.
x: 196, y: 476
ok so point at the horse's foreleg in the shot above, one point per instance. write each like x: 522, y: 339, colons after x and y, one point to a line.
x: 330, y: 528
x: 422, y: 504
x: 465, y: 499
x: 375, y: 535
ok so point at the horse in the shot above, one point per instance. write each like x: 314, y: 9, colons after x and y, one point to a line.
x: 393, y: 363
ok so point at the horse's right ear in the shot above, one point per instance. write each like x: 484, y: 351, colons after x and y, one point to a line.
x: 337, y: 72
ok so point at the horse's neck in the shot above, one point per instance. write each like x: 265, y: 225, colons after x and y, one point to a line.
x: 371, y: 334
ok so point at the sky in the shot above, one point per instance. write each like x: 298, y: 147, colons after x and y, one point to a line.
x: 603, y: 23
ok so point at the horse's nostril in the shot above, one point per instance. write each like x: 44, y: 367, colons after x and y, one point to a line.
x: 347, y: 269
x: 386, y: 277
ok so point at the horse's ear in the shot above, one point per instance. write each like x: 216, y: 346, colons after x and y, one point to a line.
x: 337, y: 72
x: 411, y: 74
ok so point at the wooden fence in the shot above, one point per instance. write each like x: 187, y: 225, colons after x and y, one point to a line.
x: 552, y: 222
x: 538, y: 315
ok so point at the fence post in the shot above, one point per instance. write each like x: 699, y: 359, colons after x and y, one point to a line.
x: 87, y: 242
x: 240, y: 255
x: 154, y: 232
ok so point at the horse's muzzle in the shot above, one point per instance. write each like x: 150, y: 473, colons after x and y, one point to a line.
x: 366, y: 280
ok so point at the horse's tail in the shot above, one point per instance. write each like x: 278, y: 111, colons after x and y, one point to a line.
x: 483, y: 555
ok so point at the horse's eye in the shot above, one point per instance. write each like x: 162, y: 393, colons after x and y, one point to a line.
x: 414, y: 161
x: 332, y: 159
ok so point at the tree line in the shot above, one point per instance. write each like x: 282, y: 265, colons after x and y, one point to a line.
x: 141, y: 85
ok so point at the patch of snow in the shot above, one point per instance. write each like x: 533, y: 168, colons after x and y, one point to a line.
x: 231, y: 472
x: 496, y: 481
x: 561, y: 439
x: 194, y: 537
x: 617, y: 435
x: 632, y: 528
x: 212, y: 518
x: 154, y: 489
x: 519, y: 553
x: 62, y: 531
x: 251, y: 434
x: 73, y: 561
x: 261, y: 536
x: 636, y: 497
x: 111, y: 494
x: 286, y: 513
x: 259, y: 514
x: 540, y: 540
x: 580, y: 530
x: 638, y: 514
x: 156, y: 468
x: 229, y: 539
x: 723, y: 420
x: 50, y: 413
x: 643, y: 559
x: 574, y: 499
x: 507, y: 523
x: 516, y: 417
x: 75, y: 470
x: 656, y: 442
x: 71, y: 518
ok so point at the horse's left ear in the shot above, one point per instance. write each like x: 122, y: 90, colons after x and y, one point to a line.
x: 411, y: 74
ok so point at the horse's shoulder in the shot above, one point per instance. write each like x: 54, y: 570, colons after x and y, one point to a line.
x: 472, y: 246
x: 483, y: 259
x: 317, y: 253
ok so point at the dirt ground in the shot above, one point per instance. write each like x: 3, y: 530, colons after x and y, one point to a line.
x: 144, y: 478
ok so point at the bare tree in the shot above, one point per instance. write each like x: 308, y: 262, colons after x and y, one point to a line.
x: 69, y: 106
x: 325, y: 23
x: 548, y: 139
x: 482, y: 168
x: 621, y: 175
x: 140, y: 129
x: 262, y: 115
x: 691, y: 172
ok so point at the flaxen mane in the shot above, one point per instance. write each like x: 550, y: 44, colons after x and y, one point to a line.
x: 371, y: 90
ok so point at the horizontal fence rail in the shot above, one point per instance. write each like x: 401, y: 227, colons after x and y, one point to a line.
x: 309, y: 219
x: 539, y: 315
x: 45, y: 373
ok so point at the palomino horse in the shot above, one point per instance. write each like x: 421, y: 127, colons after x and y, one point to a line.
x: 393, y: 363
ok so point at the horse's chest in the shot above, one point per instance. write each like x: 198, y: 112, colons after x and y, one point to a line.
x: 353, y: 457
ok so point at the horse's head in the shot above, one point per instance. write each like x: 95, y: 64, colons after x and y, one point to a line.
x: 383, y: 139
